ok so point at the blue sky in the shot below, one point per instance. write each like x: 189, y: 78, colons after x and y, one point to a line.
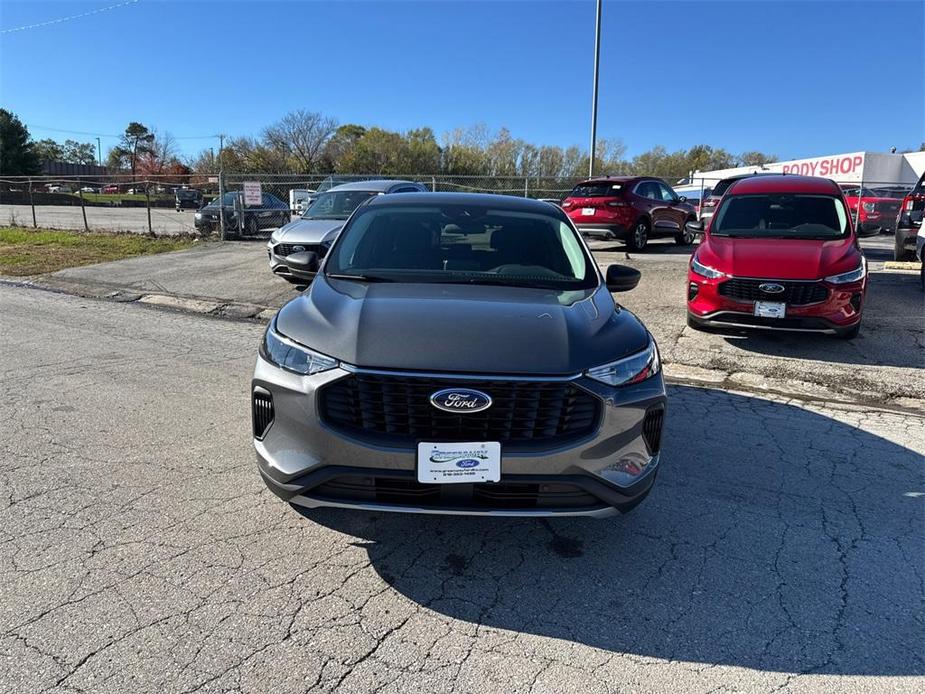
x: 791, y: 78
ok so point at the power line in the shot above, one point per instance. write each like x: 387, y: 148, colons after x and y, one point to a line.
x: 61, y: 20
x: 89, y: 134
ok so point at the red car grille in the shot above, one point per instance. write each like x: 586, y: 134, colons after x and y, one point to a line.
x: 795, y: 293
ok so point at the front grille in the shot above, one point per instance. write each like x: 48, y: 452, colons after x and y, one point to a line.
x: 262, y: 412
x: 795, y: 293
x: 284, y: 249
x: 495, y: 495
x: 398, y: 409
x: 652, y: 429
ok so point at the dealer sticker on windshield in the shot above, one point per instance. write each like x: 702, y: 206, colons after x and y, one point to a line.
x: 770, y: 309
x: 452, y: 463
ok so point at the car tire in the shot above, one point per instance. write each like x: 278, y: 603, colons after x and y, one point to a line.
x: 638, y: 237
x: 251, y: 227
x: 850, y: 333
x: 685, y: 237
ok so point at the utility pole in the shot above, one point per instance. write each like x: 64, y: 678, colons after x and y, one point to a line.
x: 221, y: 188
x: 597, y: 60
x: 99, y: 152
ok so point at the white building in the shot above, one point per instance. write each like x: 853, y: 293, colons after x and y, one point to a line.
x: 869, y: 168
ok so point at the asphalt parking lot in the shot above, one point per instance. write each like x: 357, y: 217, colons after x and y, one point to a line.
x: 164, y: 220
x: 884, y: 364
x: 780, y: 551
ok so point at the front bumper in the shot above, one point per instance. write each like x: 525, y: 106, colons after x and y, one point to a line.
x: 308, y: 463
x: 278, y: 265
x: 841, y: 309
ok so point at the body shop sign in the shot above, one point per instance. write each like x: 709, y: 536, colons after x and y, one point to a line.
x: 827, y: 167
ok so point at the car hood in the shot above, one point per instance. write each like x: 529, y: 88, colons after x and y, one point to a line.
x: 462, y: 328
x: 309, y: 230
x: 797, y: 259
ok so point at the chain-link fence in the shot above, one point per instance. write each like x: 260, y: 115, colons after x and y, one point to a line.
x: 253, y: 204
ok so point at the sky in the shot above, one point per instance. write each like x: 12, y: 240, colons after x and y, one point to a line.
x: 789, y: 78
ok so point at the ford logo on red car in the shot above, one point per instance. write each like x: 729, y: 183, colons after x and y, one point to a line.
x: 460, y: 400
x: 771, y: 288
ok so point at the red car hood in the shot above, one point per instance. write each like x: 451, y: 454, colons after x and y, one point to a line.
x: 786, y: 259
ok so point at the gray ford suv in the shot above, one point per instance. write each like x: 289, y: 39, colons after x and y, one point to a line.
x: 459, y: 353
x: 317, y: 228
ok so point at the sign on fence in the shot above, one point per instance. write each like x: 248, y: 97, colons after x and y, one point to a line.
x: 252, y: 196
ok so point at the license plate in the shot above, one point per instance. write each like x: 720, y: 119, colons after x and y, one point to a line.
x: 454, y: 463
x: 770, y: 309
x: 588, y: 211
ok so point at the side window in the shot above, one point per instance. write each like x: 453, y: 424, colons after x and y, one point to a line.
x: 644, y: 190
x: 406, y: 189
x: 667, y: 193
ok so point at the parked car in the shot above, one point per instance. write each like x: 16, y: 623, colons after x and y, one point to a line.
x: 634, y: 209
x: 111, y: 188
x: 317, y: 228
x: 59, y: 188
x: 909, y: 220
x: 877, y: 213
x: 89, y: 189
x: 300, y: 199
x: 459, y: 353
x: 780, y: 253
x: 272, y: 212
x: 711, y: 199
x: 188, y: 198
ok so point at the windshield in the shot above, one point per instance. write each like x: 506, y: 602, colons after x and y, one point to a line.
x: 337, y: 205
x: 187, y: 194
x: 852, y: 192
x: 781, y: 216
x: 461, y: 245
x: 227, y: 200
x: 596, y: 190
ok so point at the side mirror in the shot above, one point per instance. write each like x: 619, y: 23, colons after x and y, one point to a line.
x: 303, y: 265
x: 695, y: 227
x: 682, y: 198
x: 621, y: 278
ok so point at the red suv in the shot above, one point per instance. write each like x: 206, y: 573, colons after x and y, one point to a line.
x: 633, y: 208
x: 877, y: 212
x: 909, y: 220
x: 780, y: 253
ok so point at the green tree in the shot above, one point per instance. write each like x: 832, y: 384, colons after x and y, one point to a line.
x: 79, y: 152
x: 17, y: 151
x: 340, y: 145
x: 756, y: 159
x: 48, y: 150
x: 135, y: 141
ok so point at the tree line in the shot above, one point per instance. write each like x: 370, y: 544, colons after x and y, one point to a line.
x: 305, y: 142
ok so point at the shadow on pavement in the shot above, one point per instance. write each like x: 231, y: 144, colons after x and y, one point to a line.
x: 776, y: 538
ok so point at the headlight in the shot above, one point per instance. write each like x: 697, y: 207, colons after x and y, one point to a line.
x: 869, y: 206
x: 292, y: 356
x: 632, y: 369
x: 705, y: 270
x: 855, y: 275
x: 198, y: 215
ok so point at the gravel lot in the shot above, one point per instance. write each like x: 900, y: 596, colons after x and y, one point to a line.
x: 781, y: 549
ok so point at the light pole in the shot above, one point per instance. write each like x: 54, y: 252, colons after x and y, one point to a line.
x: 597, y: 60
x: 99, y: 152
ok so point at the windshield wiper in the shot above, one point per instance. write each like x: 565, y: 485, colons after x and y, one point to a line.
x: 360, y: 278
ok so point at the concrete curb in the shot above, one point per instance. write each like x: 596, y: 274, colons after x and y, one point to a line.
x: 902, y: 266
x: 224, y: 309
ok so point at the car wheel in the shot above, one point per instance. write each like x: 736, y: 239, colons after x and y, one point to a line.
x: 639, y: 236
x: 685, y: 237
x: 251, y: 227
x: 850, y: 333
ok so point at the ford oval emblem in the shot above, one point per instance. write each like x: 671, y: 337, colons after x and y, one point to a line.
x: 771, y: 288
x: 467, y: 463
x: 298, y: 249
x: 460, y: 400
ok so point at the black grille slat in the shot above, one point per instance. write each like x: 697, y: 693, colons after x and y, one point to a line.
x: 652, y: 429
x: 398, y: 408
x: 795, y: 293
x: 284, y: 249
x: 262, y: 413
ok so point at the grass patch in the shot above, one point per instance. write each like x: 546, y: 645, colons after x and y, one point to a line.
x: 36, y: 251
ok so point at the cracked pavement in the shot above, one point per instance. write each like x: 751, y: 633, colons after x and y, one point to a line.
x: 781, y: 549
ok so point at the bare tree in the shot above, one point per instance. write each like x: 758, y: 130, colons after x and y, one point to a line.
x: 301, y: 136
